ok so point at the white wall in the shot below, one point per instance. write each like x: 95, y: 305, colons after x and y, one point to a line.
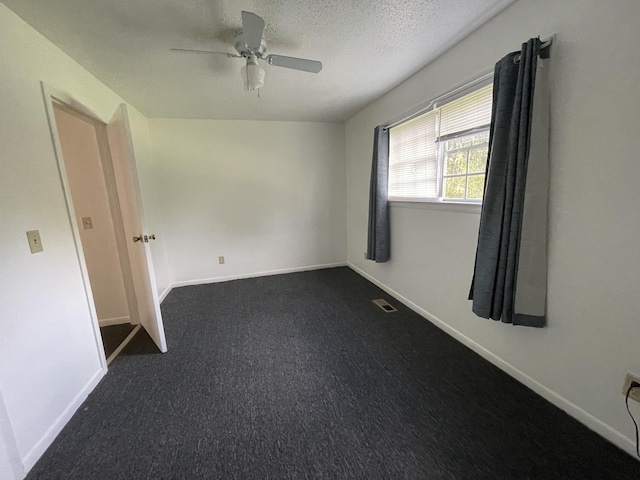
x: 6, y: 470
x: 591, y: 341
x: 48, y: 356
x: 90, y: 199
x: 267, y: 196
x: 10, y: 465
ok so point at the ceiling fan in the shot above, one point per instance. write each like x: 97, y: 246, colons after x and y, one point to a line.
x: 251, y: 46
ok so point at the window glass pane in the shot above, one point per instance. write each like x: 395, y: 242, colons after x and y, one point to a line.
x: 477, y: 160
x: 460, y: 142
x: 480, y: 138
x: 455, y: 163
x: 476, y: 185
x: 452, y: 144
x: 454, y: 187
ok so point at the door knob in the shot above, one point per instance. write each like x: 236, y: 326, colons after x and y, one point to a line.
x: 144, y: 238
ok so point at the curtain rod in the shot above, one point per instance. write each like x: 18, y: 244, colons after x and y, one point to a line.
x: 546, y: 43
x: 544, y: 47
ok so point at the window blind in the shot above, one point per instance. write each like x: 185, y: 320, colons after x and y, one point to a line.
x: 466, y: 113
x: 412, y: 153
x: 414, y: 160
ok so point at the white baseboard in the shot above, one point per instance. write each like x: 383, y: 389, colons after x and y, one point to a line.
x: 105, y: 322
x: 164, y: 294
x: 202, y: 281
x: 49, y: 436
x: 584, y: 417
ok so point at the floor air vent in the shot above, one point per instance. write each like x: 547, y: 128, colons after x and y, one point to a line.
x: 384, y: 305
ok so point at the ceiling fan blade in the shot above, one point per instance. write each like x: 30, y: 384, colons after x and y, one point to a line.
x: 303, y: 64
x: 252, y: 28
x: 188, y: 50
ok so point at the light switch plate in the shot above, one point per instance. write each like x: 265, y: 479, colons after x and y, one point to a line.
x: 35, y: 244
x: 87, y: 224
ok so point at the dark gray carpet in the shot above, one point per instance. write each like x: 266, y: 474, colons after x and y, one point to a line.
x: 301, y: 376
x: 114, y: 335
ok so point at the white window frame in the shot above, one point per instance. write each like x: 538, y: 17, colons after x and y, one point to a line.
x: 435, y: 104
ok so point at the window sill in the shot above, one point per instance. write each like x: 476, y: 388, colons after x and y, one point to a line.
x: 426, y: 204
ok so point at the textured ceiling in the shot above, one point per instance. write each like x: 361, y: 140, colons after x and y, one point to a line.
x: 366, y: 46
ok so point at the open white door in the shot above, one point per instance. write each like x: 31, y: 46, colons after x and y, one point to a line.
x: 137, y: 237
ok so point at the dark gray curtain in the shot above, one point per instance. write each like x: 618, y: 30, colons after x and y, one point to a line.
x: 379, y: 231
x: 509, y: 282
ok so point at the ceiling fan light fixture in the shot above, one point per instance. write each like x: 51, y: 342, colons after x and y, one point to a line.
x: 252, y: 75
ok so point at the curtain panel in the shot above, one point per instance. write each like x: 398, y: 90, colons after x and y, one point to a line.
x: 378, y: 248
x: 510, y: 274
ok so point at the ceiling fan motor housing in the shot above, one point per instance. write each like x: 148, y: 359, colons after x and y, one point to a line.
x: 243, y: 49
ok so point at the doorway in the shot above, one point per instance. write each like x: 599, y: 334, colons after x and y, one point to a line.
x: 98, y: 174
x: 85, y: 168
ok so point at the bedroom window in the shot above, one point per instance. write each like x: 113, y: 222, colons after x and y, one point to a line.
x: 441, y: 155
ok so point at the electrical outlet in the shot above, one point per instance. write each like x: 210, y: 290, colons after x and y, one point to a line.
x: 35, y: 244
x: 635, y: 393
x: 87, y: 224
x: 221, y: 260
